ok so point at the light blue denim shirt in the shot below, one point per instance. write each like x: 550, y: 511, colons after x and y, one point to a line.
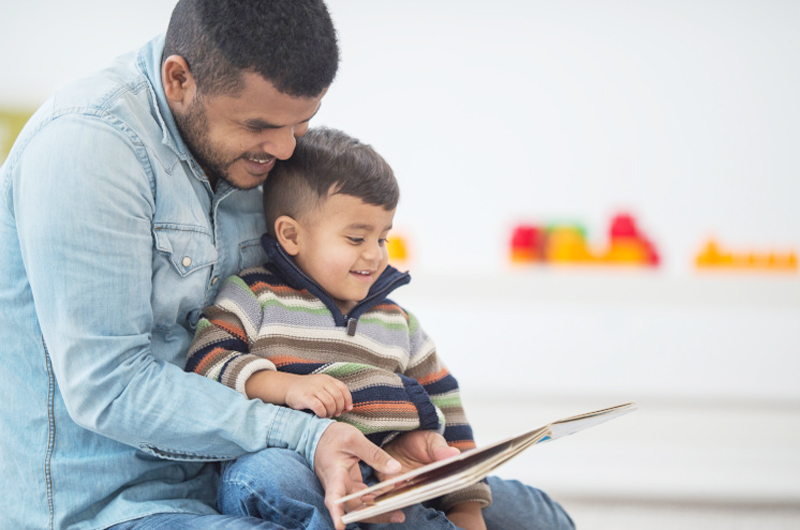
x: 112, y: 242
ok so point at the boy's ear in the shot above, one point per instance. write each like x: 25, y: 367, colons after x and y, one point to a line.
x: 287, y: 232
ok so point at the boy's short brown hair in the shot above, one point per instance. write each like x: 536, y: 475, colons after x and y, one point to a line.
x: 326, y: 162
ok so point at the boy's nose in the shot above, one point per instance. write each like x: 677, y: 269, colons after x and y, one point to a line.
x: 372, y: 252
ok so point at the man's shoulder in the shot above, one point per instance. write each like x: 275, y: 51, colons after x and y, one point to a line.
x: 122, y: 95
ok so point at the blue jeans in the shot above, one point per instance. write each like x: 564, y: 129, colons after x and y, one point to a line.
x: 277, y: 485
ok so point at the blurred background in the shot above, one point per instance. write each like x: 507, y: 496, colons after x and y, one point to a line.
x: 520, y: 132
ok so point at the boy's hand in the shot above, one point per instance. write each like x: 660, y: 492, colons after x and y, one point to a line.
x: 324, y: 395
x: 418, y: 448
x: 467, y: 515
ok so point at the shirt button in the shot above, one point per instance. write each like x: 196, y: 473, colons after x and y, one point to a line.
x: 186, y: 261
x: 214, y: 280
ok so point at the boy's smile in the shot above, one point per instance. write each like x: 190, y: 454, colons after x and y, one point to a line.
x: 342, y: 246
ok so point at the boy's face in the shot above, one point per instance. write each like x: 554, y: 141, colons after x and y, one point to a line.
x: 342, y: 246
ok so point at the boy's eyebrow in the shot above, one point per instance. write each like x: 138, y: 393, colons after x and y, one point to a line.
x: 258, y: 123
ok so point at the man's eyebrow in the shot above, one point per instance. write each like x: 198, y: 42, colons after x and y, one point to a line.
x: 258, y: 123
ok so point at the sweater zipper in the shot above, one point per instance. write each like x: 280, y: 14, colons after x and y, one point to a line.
x: 353, y: 322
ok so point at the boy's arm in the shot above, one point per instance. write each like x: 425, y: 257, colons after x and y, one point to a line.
x: 221, y: 346
x: 221, y: 350
x: 321, y: 394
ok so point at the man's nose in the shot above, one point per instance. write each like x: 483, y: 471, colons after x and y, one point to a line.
x: 281, y: 144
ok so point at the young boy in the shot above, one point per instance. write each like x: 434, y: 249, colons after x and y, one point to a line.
x: 313, y: 329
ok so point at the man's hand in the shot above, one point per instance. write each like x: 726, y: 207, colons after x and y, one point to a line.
x: 336, y: 464
x: 418, y: 448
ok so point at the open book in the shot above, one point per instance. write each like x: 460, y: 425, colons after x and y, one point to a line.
x: 446, y: 476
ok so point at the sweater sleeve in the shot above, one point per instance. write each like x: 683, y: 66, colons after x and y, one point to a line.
x: 221, y: 346
x: 442, y: 387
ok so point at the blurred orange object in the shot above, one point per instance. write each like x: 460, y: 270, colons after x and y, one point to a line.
x: 711, y: 256
x: 397, y: 249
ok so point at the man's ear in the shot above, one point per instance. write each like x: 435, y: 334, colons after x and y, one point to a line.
x: 179, y: 83
x: 287, y: 232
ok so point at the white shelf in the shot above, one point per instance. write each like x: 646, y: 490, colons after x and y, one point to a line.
x: 612, y: 286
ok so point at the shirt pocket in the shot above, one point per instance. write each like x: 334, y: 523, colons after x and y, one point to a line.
x: 182, y: 266
x: 188, y: 248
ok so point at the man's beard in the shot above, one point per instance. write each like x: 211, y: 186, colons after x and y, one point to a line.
x: 193, y: 126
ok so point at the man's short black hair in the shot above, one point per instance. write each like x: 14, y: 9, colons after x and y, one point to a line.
x: 291, y: 43
x: 327, y: 162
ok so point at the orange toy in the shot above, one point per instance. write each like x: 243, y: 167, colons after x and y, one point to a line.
x: 627, y: 245
x: 711, y: 256
x: 398, y: 251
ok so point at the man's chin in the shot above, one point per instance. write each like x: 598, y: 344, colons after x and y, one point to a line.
x: 245, y: 182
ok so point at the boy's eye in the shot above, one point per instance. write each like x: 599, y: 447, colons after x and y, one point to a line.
x: 356, y: 240
x: 382, y: 242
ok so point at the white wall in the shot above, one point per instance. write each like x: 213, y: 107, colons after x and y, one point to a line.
x: 683, y: 111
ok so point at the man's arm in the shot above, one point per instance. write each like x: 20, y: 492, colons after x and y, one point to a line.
x: 85, y: 222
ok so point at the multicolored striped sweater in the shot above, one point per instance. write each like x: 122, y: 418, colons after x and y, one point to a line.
x: 275, y: 317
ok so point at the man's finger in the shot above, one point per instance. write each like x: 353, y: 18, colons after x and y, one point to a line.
x: 374, y: 456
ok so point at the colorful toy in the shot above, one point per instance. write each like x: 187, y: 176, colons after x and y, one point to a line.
x: 566, y: 244
x: 628, y: 245
x: 527, y: 244
x: 711, y: 256
x: 397, y: 249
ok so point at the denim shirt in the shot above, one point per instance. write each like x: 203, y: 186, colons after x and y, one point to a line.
x: 112, y: 242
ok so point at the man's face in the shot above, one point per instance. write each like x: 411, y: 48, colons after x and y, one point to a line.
x: 342, y: 246
x: 237, y: 138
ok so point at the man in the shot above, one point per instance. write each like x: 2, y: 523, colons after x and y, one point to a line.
x: 124, y: 201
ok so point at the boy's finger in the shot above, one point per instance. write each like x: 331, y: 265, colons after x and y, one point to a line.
x: 348, y: 397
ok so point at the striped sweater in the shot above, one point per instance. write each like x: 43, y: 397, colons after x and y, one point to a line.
x: 275, y: 317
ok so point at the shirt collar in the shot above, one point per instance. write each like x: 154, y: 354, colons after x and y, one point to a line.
x: 149, y: 62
